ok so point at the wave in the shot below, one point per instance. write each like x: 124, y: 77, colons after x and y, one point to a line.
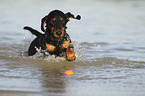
x: 86, y: 53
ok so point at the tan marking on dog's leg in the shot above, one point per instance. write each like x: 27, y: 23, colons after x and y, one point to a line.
x: 70, y: 54
x: 50, y: 47
x: 65, y: 44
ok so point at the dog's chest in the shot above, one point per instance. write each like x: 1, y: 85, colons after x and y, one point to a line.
x: 57, y: 46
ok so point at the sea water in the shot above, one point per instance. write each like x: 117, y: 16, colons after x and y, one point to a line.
x: 109, y: 43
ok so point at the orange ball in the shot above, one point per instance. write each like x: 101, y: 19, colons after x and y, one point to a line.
x: 69, y: 73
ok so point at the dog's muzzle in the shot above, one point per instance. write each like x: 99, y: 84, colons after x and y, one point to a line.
x: 59, y: 33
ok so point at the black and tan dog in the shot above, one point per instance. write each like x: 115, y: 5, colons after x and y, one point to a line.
x: 55, y: 40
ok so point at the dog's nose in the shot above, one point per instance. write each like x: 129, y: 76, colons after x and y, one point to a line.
x: 58, y: 33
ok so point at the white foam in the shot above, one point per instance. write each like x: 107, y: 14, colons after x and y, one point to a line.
x: 53, y: 58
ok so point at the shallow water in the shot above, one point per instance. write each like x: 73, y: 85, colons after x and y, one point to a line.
x: 109, y: 43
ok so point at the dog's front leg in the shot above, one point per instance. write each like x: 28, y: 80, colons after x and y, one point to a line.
x: 70, y: 54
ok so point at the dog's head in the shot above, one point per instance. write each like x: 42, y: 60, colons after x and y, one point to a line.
x: 55, y: 23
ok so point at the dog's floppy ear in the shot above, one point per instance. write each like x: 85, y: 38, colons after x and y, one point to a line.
x: 69, y: 15
x: 43, y: 21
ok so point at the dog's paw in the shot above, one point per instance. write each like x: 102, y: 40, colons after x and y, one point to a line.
x: 70, y: 54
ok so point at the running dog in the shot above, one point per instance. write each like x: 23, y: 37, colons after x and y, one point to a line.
x: 55, y: 38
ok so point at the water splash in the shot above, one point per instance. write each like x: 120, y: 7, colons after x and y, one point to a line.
x: 23, y: 43
x: 80, y: 51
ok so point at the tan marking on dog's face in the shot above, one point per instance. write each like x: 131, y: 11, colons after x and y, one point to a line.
x: 53, y: 19
x: 61, y: 19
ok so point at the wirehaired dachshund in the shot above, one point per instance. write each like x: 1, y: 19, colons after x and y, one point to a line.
x: 55, y: 39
